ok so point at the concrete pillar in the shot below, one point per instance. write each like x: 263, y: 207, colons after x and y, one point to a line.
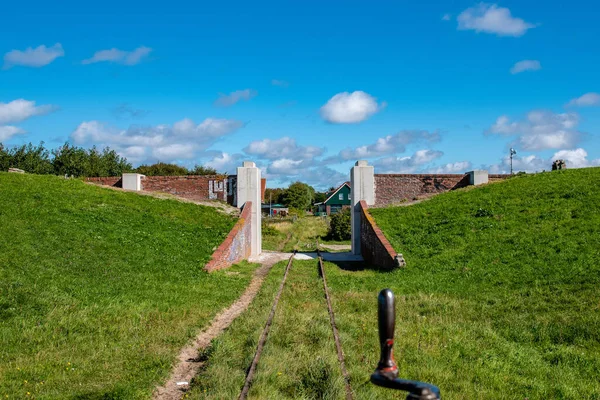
x: 132, y: 181
x: 362, y: 183
x: 478, y: 177
x: 249, y: 189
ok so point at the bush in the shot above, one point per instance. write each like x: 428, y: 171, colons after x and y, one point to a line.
x: 339, y: 227
x: 77, y: 161
x: 67, y: 159
x: 164, y: 169
x: 30, y: 158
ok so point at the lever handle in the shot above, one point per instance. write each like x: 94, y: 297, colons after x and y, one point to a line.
x: 386, y: 316
x: 386, y: 374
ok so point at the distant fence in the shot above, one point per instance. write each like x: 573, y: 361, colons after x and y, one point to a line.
x: 237, y: 245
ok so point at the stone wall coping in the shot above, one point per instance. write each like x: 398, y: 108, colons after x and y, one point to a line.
x: 421, y: 175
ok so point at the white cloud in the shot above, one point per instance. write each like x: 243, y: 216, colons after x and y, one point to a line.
x: 529, y: 163
x: 425, y: 156
x: 226, y: 100
x: 285, y: 166
x: 407, y: 164
x: 541, y: 130
x: 7, y: 132
x: 588, y: 99
x: 21, y: 109
x: 322, y: 178
x: 452, y: 168
x: 350, y: 108
x: 225, y: 162
x: 184, y: 140
x: 31, y: 57
x: 284, y: 147
x: 134, y: 152
x: 285, y: 171
x: 576, y: 158
x: 446, y: 17
x: 280, y: 83
x: 490, y: 18
x: 119, y: 56
x: 209, y: 128
x: 175, y: 151
x: 389, y: 144
x: 526, y: 65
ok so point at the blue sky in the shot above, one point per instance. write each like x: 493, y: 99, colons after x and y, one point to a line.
x: 306, y: 88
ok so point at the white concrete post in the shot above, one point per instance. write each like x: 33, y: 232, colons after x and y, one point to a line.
x: 132, y: 181
x: 478, y: 177
x: 249, y: 189
x: 362, y: 184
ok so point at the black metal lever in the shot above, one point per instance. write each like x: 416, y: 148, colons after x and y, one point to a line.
x: 386, y: 374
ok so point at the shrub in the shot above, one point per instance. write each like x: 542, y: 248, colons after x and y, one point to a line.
x: 30, y: 158
x: 164, y: 169
x: 67, y: 159
x: 339, y: 227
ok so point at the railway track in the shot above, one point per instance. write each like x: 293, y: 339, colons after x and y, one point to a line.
x: 265, y: 333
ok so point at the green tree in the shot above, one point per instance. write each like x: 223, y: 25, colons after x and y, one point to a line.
x: 299, y: 195
x: 112, y: 163
x: 77, y: 161
x: 202, y: 170
x: 162, y: 169
x: 70, y: 160
x: 320, y: 197
x: 4, y: 158
x: 275, y: 195
x: 339, y: 226
x: 30, y: 158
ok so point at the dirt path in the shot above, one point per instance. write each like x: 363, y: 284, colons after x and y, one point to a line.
x: 187, y: 361
x: 336, y: 247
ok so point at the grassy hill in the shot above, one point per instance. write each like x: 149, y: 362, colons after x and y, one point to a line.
x: 500, y: 300
x: 500, y: 297
x: 99, y: 289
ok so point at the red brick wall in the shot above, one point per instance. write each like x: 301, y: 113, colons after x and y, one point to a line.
x: 106, y: 181
x: 237, y: 246
x: 394, y: 188
x: 193, y: 187
x: 374, y: 246
x: 497, y: 177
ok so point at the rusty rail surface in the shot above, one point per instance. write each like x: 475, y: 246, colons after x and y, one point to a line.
x: 265, y: 333
x: 336, y: 335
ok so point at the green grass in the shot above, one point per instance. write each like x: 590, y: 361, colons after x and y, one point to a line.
x: 500, y: 296
x: 499, y: 301
x: 300, y: 235
x: 99, y: 289
x: 299, y: 360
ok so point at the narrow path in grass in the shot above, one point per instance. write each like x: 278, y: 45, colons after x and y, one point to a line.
x: 188, y: 362
x: 299, y: 359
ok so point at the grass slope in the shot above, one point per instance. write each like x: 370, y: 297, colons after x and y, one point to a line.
x: 99, y: 288
x: 500, y: 297
x: 299, y: 360
x: 302, y: 234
